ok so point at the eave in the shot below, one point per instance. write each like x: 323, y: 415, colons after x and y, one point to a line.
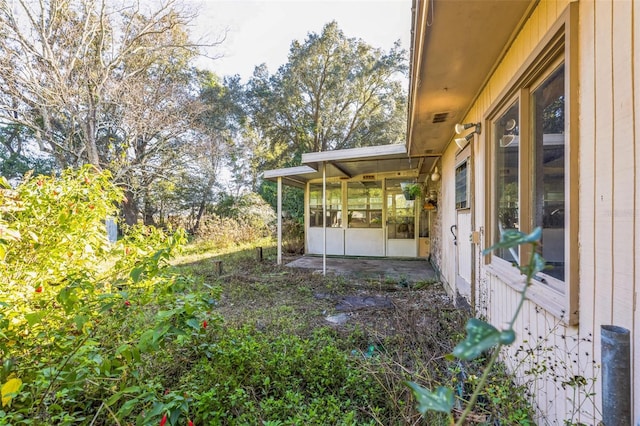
x: 456, y: 44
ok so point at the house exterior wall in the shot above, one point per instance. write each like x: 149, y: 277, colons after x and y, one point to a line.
x: 564, y: 360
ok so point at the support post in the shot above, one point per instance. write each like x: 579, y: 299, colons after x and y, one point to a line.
x: 259, y: 254
x: 324, y: 218
x: 217, y: 266
x: 279, y: 208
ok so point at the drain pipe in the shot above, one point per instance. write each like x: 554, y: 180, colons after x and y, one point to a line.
x: 616, y: 375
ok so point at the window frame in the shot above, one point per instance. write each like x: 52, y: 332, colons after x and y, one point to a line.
x: 467, y: 180
x: 331, y: 211
x: 370, y: 213
x: 558, y: 46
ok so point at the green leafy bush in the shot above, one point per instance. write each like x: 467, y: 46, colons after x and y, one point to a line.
x: 76, y: 323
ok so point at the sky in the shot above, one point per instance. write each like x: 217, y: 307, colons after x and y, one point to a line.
x: 261, y: 31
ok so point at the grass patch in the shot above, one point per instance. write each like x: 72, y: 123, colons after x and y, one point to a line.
x: 282, y: 311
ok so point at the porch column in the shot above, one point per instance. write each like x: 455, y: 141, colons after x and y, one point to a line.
x: 324, y: 218
x: 279, y: 208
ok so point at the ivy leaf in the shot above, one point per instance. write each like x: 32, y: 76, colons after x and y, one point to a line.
x: 441, y: 400
x: 9, y: 390
x: 480, y: 337
x: 512, y: 238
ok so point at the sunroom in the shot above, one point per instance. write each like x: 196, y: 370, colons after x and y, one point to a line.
x: 376, y: 201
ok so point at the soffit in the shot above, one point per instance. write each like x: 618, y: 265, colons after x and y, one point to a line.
x: 455, y: 47
x: 350, y: 163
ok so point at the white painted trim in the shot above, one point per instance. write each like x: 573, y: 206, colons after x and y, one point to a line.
x: 324, y: 218
x: 368, y: 152
x: 279, y: 208
x: 288, y: 171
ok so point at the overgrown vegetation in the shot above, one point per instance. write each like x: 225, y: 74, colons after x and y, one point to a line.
x: 101, y: 334
x: 483, y: 337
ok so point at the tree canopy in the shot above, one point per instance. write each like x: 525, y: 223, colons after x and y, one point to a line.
x: 334, y: 92
x: 112, y: 84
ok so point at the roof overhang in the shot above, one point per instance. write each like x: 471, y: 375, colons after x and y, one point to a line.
x: 349, y: 163
x: 456, y: 45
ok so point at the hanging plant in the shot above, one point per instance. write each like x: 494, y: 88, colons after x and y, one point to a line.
x: 411, y: 190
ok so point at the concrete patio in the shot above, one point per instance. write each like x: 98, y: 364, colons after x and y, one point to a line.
x: 409, y: 270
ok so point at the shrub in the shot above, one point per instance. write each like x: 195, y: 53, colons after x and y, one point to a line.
x: 77, y: 324
x: 222, y: 232
x: 251, y: 377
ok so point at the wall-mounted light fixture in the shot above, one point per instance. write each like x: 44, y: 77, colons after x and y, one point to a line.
x: 459, y: 128
x: 462, y: 142
x: 435, y: 176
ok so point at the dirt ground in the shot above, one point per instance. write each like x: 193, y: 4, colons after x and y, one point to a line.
x: 377, y: 310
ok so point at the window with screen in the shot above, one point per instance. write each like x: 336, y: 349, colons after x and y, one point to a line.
x: 364, y: 204
x: 462, y: 186
x: 333, y: 206
x: 532, y: 168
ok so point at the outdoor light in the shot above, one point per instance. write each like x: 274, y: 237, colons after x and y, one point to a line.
x: 459, y: 128
x: 435, y: 176
x: 462, y: 142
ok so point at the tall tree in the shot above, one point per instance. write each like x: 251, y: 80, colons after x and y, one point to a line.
x: 335, y: 92
x: 99, y: 81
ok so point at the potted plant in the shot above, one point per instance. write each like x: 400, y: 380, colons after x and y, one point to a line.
x: 411, y: 190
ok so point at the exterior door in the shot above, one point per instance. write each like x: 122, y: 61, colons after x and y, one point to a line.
x: 463, y: 229
x: 400, y: 223
x: 463, y: 253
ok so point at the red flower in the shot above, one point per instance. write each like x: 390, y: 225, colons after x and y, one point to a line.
x: 127, y: 303
x: 39, y: 289
x: 166, y: 391
x: 190, y: 423
x: 204, y: 324
x: 164, y: 420
x: 39, y: 182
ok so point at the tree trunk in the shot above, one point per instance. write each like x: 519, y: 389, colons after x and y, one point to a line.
x: 203, y: 204
x: 92, y: 149
x: 130, y: 209
x: 147, y: 213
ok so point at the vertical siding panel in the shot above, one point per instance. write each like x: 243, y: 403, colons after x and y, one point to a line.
x: 587, y: 199
x: 604, y: 165
x: 603, y: 184
x: 549, y: 384
x: 559, y: 410
x: 623, y: 171
x: 635, y: 334
x: 542, y: 14
x: 551, y: 11
x: 561, y: 5
x: 534, y: 29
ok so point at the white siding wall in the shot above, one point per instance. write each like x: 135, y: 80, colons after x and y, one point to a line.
x: 609, y: 216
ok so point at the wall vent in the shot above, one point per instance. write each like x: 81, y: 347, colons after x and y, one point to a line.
x: 440, y: 117
x: 368, y: 177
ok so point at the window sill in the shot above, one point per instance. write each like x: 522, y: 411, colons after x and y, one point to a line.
x: 552, y: 301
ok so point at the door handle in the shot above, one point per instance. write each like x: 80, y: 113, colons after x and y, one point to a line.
x: 453, y: 230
